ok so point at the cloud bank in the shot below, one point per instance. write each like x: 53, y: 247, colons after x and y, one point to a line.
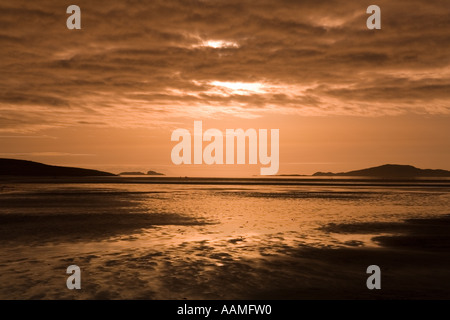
x: 137, y: 63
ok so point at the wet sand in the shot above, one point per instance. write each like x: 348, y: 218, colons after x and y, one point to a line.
x: 414, y: 261
x: 138, y: 241
x: 83, y: 227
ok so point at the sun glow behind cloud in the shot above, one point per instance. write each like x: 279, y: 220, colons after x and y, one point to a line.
x: 240, y: 88
x: 218, y: 44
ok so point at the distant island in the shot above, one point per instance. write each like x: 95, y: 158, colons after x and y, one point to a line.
x: 13, y: 167
x: 390, y: 171
x: 132, y: 174
x: 291, y: 175
x: 154, y: 173
x: 149, y: 173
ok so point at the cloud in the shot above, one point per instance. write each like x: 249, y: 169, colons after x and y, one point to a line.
x: 137, y: 63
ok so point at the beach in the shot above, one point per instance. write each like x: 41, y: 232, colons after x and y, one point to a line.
x: 224, y: 239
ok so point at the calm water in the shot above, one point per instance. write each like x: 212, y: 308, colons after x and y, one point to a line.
x: 202, y: 239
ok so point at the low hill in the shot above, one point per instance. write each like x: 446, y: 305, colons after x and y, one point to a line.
x: 390, y: 170
x: 138, y: 173
x: 13, y: 167
x: 132, y: 173
x: 154, y: 173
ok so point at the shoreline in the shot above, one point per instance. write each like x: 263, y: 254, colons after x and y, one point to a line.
x: 303, y: 181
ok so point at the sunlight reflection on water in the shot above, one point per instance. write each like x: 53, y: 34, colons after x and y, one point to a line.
x: 238, y: 224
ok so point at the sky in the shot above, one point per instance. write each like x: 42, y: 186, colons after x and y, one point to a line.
x: 108, y: 96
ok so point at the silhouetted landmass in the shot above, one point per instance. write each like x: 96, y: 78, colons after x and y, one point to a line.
x: 325, y: 174
x: 154, y: 173
x: 390, y: 170
x: 149, y: 173
x: 13, y: 167
x: 132, y: 174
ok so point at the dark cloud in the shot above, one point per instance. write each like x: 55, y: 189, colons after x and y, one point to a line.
x: 153, y: 58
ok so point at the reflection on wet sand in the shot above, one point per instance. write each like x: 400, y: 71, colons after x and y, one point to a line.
x: 252, y: 242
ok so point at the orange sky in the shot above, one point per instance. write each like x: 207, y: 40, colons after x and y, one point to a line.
x: 109, y: 95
